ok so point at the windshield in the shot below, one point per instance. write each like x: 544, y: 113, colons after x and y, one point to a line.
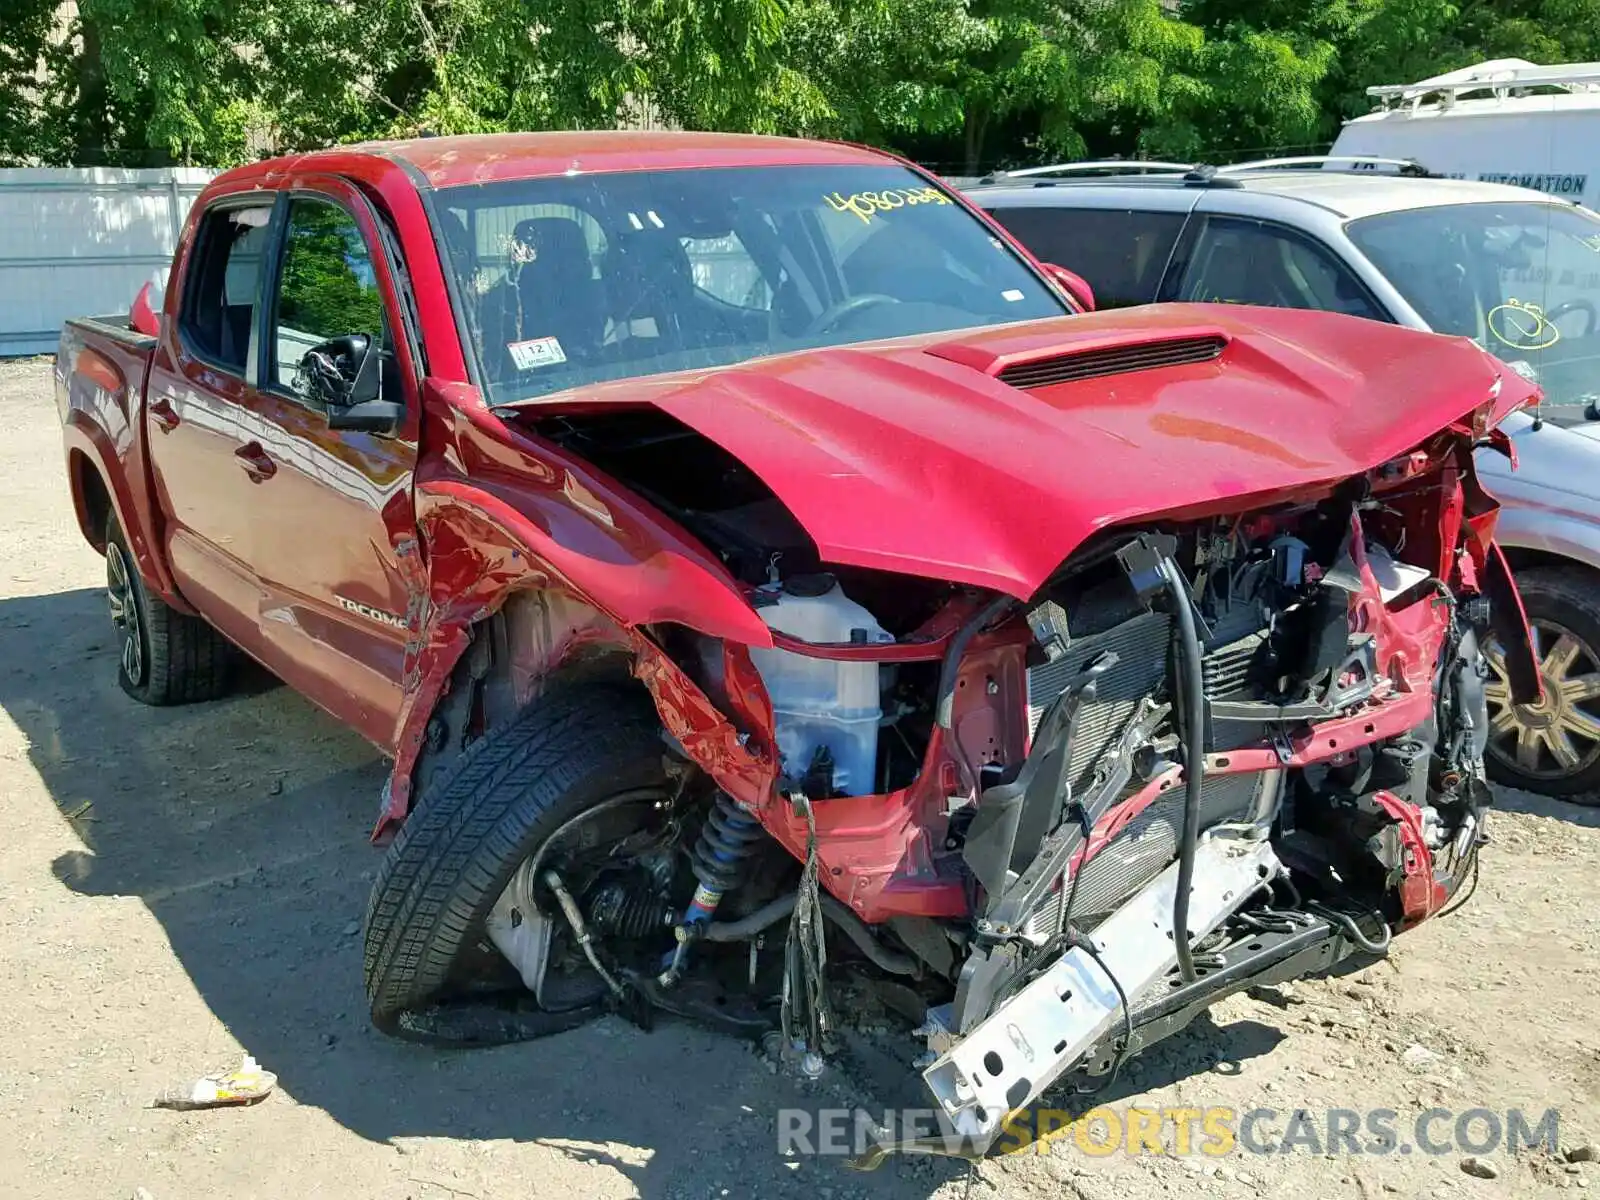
x: 1521, y: 279
x: 579, y: 278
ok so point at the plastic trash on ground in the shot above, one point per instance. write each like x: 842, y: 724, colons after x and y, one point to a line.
x: 247, y: 1085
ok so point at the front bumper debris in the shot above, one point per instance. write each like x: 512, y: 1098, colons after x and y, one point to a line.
x: 1038, y: 1034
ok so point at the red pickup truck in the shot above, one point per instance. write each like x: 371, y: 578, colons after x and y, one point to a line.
x: 724, y: 533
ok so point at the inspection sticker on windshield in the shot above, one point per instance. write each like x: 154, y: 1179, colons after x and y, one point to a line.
x: 537, y: 352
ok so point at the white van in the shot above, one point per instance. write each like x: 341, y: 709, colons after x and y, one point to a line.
x: 1504, y: 121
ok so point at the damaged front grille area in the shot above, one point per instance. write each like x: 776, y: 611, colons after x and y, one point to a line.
x: 1150, y: 841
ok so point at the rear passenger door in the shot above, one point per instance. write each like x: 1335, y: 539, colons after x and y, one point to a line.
x: 1121, y: 252
x: 1247, y: 260
x: 198, y: 412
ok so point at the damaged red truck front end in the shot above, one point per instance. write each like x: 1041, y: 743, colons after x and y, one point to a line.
x: 1121, y: 616
x: 803, y: 603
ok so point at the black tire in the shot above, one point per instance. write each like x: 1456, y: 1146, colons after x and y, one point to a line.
x: 164, y: 656
x: 481, y: 819
x: 1560, y: 601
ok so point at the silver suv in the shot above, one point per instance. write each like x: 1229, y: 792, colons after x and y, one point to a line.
x: 1516, y: 271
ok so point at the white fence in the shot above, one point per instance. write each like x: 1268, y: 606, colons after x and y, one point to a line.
x: 80, y: 242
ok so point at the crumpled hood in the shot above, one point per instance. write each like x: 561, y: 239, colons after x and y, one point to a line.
x: 912, y: 456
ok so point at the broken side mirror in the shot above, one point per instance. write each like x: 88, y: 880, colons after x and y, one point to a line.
x: 1075, y: 285
x: 381, y: 417
x: 346, y: 375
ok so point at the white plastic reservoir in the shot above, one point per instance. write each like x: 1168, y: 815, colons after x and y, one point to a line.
x: 817, y: 702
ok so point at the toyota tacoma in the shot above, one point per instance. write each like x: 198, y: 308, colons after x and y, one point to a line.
x: 765, y: 576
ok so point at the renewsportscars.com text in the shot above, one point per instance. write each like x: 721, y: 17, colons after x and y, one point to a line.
x: 1212, y: 1131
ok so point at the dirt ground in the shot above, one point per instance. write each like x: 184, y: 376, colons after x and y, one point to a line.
x: 181, y: 886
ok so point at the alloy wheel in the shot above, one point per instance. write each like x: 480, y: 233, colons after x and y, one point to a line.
x: 1559, y: 735
x: 125, y: 611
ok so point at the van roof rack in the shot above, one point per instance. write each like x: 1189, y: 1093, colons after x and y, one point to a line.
x: 1208, y: 174
x: 1106, y: 166
x: 1503, y: 76
x: 1344, y: 162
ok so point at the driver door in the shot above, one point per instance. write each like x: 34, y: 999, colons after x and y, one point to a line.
x: 334, y: 507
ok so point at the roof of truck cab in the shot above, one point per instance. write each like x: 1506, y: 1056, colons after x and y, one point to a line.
x: 482, y: 158
x: 1348, y: 195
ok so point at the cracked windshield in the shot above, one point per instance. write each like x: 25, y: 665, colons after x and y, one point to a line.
x: 1520, y: 279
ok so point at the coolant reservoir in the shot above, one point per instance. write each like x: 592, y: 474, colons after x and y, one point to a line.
x: 818, y: 703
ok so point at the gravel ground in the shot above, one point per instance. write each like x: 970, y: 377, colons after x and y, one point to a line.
x: 181, y: 886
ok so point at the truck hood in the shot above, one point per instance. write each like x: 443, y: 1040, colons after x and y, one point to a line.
x: 985, y: 457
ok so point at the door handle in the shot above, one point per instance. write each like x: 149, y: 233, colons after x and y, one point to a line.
x: 256, y: 462
x: 163, y: 414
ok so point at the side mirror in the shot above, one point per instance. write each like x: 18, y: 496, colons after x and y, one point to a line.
x: 346, y: 375
x: 382, y: 417
x: 1075, y: 285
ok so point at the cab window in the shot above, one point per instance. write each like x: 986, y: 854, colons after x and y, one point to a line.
x: 328, y: 300
x: 1121, y: 253
x: 224, y: 285
x: 1238, y: 261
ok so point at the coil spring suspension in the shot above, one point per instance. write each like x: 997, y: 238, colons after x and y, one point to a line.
x: 725, y: 841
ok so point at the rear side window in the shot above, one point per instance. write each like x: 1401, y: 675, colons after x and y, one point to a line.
x: 224, y: 285
x: 1121, y: 253
x: 1238, y: 261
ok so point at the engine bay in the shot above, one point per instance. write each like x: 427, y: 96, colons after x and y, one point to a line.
x: 980, y: 793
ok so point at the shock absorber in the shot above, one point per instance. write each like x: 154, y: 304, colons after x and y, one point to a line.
x: 725, y: 841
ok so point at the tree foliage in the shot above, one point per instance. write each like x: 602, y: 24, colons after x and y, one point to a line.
x: 968, y: 83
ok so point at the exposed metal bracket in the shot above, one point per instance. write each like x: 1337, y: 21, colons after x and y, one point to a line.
x: 1037, y: 1035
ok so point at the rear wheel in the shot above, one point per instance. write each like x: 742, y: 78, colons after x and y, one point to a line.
x: 164, y: 656
x: 574, y: 781
x: 1552, y: 746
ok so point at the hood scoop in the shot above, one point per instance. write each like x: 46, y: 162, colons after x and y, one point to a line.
x: 1111, y: 360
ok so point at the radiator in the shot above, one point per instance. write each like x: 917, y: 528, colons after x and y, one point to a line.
x: 1146, y: 846
x: 1141, y: 645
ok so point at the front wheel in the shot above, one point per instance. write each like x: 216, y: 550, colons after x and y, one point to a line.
x: 1553, y: 746
x: 577, y: 780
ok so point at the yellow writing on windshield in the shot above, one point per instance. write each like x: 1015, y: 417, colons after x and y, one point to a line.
x: 867, y: 205
x: 1522, y: 326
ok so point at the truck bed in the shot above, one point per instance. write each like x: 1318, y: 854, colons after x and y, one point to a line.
x: 101, y: 370
x: 101, y: 355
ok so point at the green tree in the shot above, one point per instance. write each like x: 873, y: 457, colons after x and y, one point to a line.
x: 151, y: 82
x: 1263, y: 75
x: 1401, y: 41
x: 891, y: 69
x: 24, y: 35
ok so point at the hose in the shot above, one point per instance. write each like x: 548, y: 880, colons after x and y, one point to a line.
x: 747, y: 927
x: 1192, y: 710
x: 950, y: 669
x: 580, y: 931
x: 951, y: 666
x: 854, y: 928
x: 1353, y: 931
